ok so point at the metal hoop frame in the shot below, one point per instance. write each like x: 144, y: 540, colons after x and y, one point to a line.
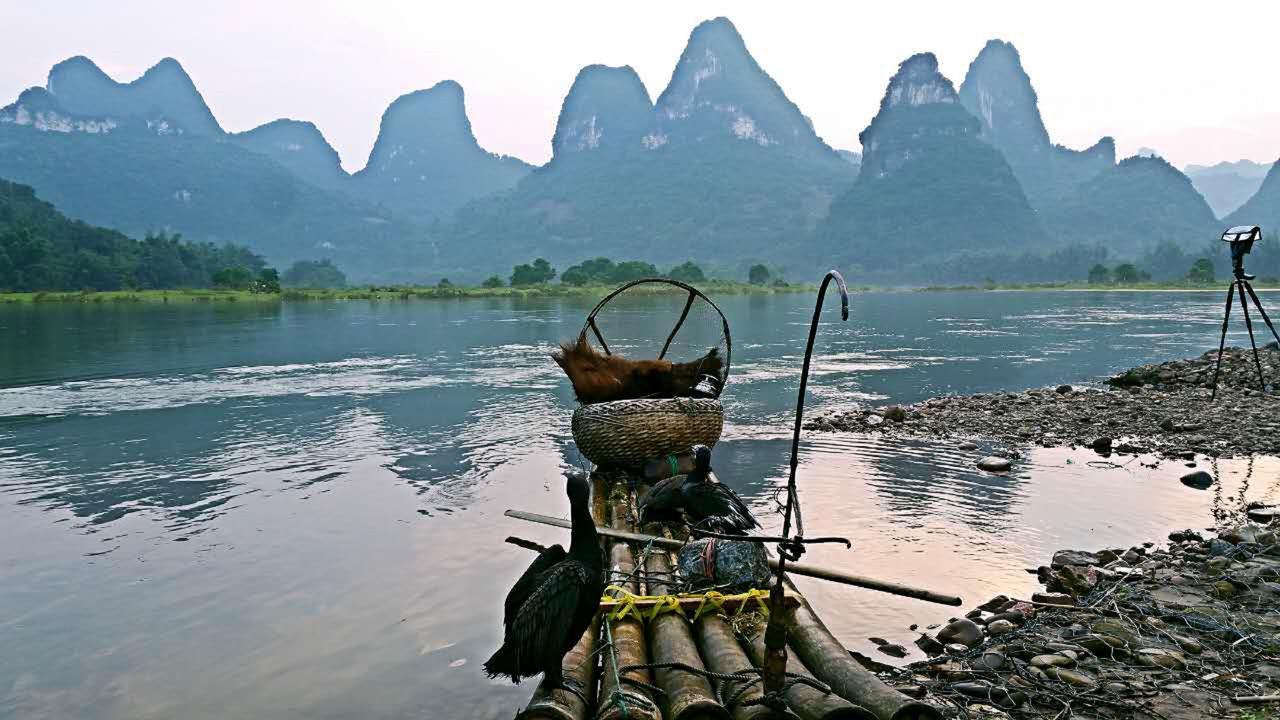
x: 694, y: 294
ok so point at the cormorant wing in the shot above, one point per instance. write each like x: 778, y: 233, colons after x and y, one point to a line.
x: 524, y: 587
x: 538, y: 635
x: 716, y: 501
x: 662, y: 499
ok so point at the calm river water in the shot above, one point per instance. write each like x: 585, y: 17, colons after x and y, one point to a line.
x: 295, y: 511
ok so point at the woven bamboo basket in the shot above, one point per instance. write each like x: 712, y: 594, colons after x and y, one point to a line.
x: 628, y: 433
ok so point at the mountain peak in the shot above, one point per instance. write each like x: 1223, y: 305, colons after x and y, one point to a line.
x: 605, y: 107
x: 427, y: 158
x: 918, y: 112
x: 164, y: 96
x: 719, y: 92
x: 299, y: 146
x: 426, y: 120
x: 998, y: 91
x: 918, y: 82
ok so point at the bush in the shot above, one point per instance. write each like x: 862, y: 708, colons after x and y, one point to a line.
x: 1201, y: 271
x: 1128, y: 274
x: 539, y: 273
x: 758, y: 275
x: 268, y: 281
x: 314, y: 274
x: 687, y: 272
x: 233, y: 278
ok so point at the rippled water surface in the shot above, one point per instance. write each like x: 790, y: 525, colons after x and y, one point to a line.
x: 295, y: 511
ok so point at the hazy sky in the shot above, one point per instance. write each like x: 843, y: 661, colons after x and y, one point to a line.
x: 1199, y: 82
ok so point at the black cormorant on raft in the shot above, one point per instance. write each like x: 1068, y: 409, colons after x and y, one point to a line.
x: 554, y: 601
x: 709, y: 504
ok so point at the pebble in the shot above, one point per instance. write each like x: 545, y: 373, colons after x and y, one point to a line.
x: 990, y: 661
x: 992, y: 463
x: 1000, y: 627
x: 1200, y: 480
x: 893, y: 650
x: 1044, y: 661
x: 1071, y: 677
x: 1158, y: 657
x: 963, y: 632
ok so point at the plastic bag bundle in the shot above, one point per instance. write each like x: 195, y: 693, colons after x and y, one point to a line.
x: 726, y: 565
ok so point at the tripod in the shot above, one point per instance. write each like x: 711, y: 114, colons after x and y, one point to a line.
x: 1241, y: 282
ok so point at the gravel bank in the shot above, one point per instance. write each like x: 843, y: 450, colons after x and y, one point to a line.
x: 1186, y: 630
x: 1161, y: 409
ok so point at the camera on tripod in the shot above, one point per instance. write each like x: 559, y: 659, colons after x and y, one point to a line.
x: 1241, y: 238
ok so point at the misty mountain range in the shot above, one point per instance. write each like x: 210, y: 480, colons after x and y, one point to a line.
x: 722, y: 168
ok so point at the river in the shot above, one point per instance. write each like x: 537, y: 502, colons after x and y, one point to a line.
x: 295, y: 510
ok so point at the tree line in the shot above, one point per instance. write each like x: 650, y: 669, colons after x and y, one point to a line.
x: 603, y: 271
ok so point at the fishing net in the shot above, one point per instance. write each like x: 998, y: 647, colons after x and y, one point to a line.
x: 728, y: 565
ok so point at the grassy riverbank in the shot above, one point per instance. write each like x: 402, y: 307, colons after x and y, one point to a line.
x: 380, y: 293
x: 1181, y: 285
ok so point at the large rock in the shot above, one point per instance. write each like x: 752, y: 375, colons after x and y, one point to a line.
x: 1063, y: 558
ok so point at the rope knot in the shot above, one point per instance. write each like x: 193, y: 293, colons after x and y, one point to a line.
x: 791, y: 549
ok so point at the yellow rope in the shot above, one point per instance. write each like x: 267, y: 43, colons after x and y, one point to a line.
x: 625, y: 603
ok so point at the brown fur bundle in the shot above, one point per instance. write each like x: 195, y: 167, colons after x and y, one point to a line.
x: 603, y: 378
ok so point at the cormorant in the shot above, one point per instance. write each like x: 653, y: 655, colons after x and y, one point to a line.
x: 553, y: 602
x: 708, y: 503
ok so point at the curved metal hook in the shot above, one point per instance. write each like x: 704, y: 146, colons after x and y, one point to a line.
x: 804, y: 384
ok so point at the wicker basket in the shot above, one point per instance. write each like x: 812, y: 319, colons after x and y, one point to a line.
x: 628, y: 433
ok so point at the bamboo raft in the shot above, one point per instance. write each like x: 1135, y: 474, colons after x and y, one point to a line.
x: 652, y: 654
x: 672, y: 665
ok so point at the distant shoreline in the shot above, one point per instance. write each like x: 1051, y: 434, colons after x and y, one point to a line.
x: 377, y: 293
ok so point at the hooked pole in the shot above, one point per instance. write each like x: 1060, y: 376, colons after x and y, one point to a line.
x: 791, y: 548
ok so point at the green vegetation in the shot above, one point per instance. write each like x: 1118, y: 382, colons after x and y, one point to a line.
x: 1201, y: 273
x: 40, y: 249
x: 383, y: 293
x: 539, y: 273
x: 314, y: 274
x: 758, y: 275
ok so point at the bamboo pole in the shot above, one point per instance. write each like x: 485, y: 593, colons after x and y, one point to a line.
x: 688, y: 696
x: 818, y: 649
x: 719, y: 647
x: 628, y: 637
x: 792, y: 568
x: 807, y: 701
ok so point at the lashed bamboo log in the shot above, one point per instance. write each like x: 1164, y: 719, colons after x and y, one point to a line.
x: 831, y: 663
x: 807, y: 701
x: 688, y: 695
x: 722, y: 653
x: 628, y: 635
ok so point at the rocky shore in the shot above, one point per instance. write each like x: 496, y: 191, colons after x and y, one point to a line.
x: 1187, y: 629
x: 1159, y: 409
